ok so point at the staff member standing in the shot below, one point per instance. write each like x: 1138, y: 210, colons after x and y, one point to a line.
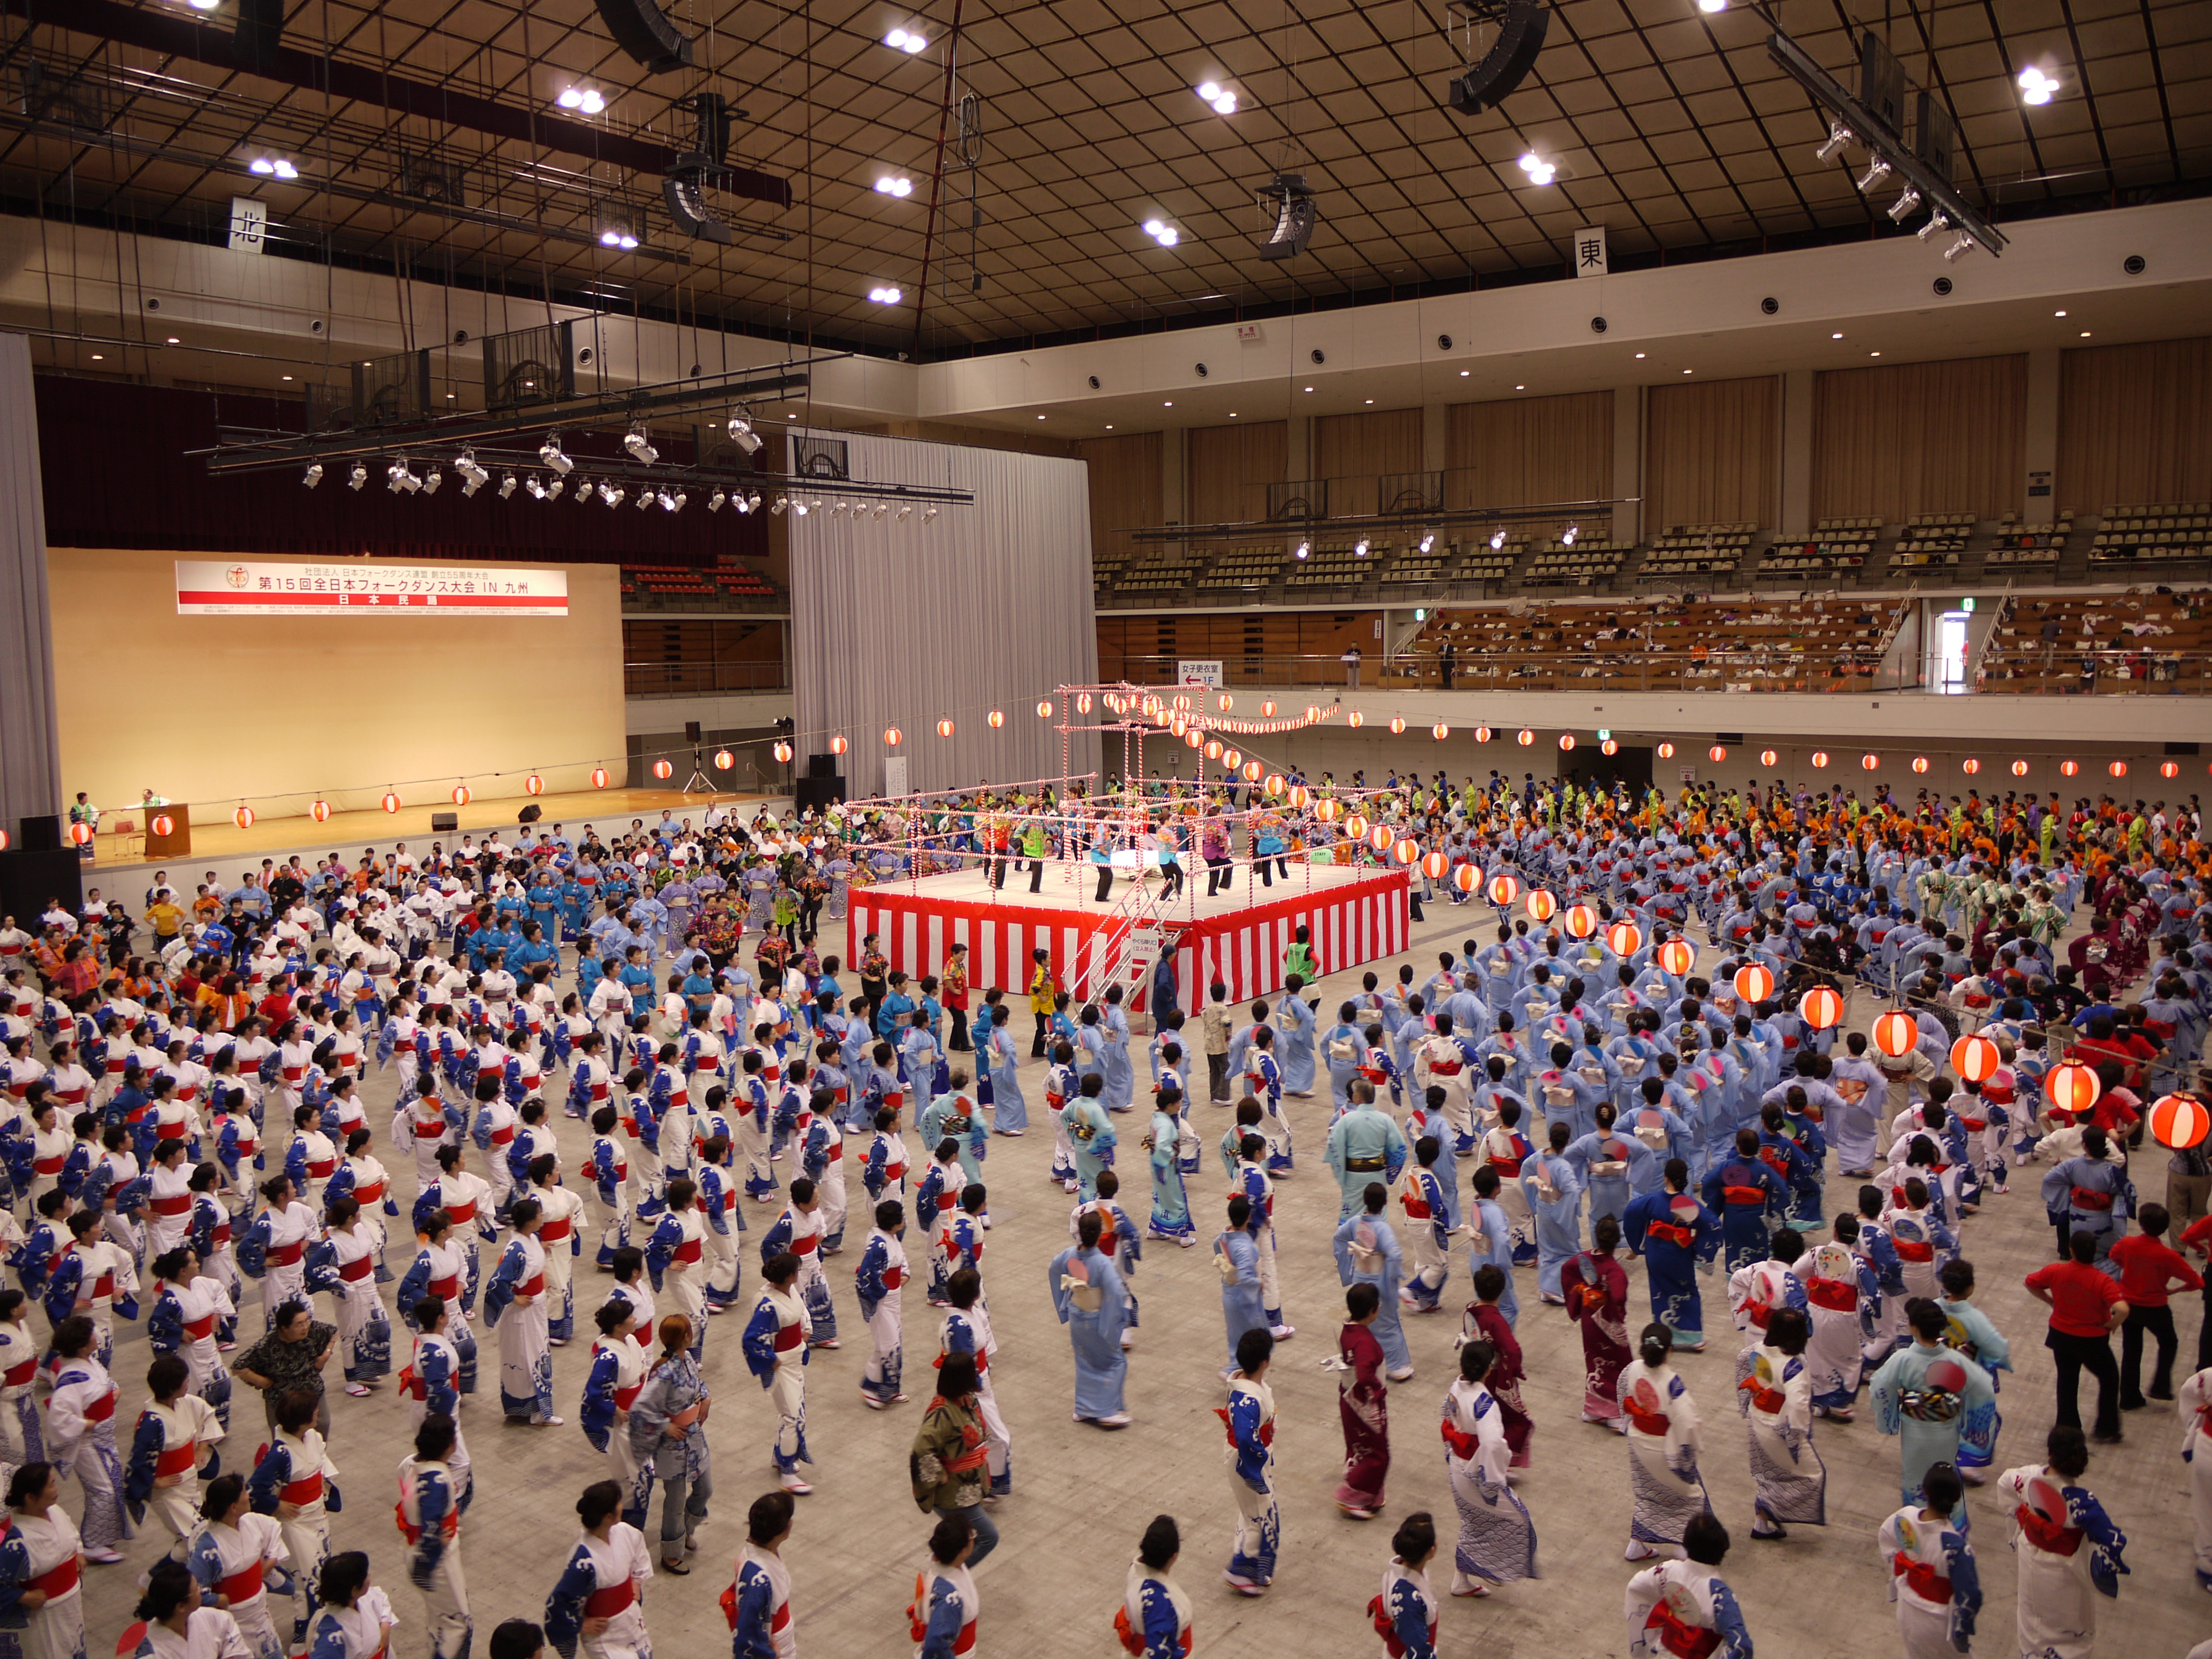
x: 2086, y: 1306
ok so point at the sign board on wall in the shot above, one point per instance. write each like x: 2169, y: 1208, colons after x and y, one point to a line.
x: 893, y: 775
x: 1199, y: 671
x: 1589, y: 251
x: 249, y: 221
x: 248, y: 587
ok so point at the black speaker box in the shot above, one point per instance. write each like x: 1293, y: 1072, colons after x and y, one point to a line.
x: 690, y: 731
x: 260, y: 32
x: 821, y: 766
x: 1511, y: 57
x: 42, y: 834
x: 444, y: 824
x: 530, y: 814
x: 642, y: 29
x: 29, y: 878
x: 820, y: 793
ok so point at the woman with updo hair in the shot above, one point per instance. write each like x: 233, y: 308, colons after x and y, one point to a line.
x: 177, y: 1626
x: 598, y: 1601
x: 1405, y: 1613
x: 1154, y: 1617
x: 41, y: 1560
x: 356, y: 1618
x: 230, y: 1553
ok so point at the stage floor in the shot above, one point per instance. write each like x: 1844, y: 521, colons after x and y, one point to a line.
x: 1352, y: 915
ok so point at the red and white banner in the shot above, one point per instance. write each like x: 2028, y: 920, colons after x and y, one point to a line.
x: 1350, y: 923
x: 248, y: 587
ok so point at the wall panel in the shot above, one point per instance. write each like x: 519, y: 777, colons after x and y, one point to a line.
x: 1126, y: 490
x: 1231, y: 468
x: 1947, y: 437
x: 1528, y: 450
x: 1712, y: 454
x: 2134, y: 425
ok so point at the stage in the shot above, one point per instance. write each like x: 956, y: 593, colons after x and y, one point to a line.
x: 1356, y: 917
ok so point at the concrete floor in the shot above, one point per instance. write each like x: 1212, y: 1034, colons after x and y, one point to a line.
x: 1083, y: 1495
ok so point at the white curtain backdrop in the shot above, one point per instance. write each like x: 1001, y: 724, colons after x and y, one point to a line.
x: 30, y: 755
x: 988, y: 606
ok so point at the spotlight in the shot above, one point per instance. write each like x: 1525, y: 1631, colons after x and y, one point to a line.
x: 906, y: 42
x: 536, y: 486
x: 639, y: 445
x: 585, y: 493
x: 883, y: 297
x: 1877, y: 170
x: 1165, y: 234
x: 1710, y: 6
x: 1937, y: 222
x: 357, y: 478
x: 1428, y: 540
x: 645, y: 499
x: 1209, y: 90
x: 675, y: 503
x: 754, y: 504
x: 553, y: 490
x: 882, y: 507
x: 2036, y: 87
x: 1540, y: 171
x: 927, y: 514
x: 549, y: 452
x: 1497, y: 539
x: 776, y: 512
x: 1965, y: 244
x: 588, y: 100
x: 743, y: 435
x: 612, y: 237
x: 714, y: 503
x: 1568, y: 539
x: 1303, y: 549
x: 507, y: 486
x: 400, y: 479
x: 890, y: 186
x: 611, y: 496
x: 1225, y: 104
x: 1838, y: 137
x: 905, y: 513
x: 1359, y: 548
x: 314, y: 475
x: 1902, y: 209
x: 432, y: 480
x: 273, y: 166
x: 837, y: 509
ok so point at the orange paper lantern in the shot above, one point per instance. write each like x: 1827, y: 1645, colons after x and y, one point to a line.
x: 839, y: 744
x: 1896, y: 1034
x: 1355, y: 827
x: 1355, y: 720
x: 1213, y: 749
x: 893, y: 736
x: 6, y: 841
x: 1610, y: 746
x: 1468, y: 877
x: 391, y: 801
x: 1194, y: 739
x: 1871, y: 763
x: 1718, y: 752
x: 1252, y: 771
x: 782, y: 752
x: 2068, y: 768
x: 1821, y: 1008
x: 1267, y: 708
x: 461, y: 794
x: 2072, y: 1088
x: 534, y: 784
x: 1503, y: 889
x: 2020, y: 769
x: 1919, y: 762
x: 1225, y: 703
x: 1482, y: 735
x: 664, y: 769
x: 1397, y: 725
x: 1970, y: 766
x: 1232, y: 759
x: 1277, y: 783
x: 81, y: 833
x: 163, y: 826
x: 1083, y: 702
x: 2119, y: 768
x: 724, y: 760
x: 1676, y: 958
x: 319, y: 810
x: 1301, y: 797
x: 1819, y: 758
x: 599, y: 777
x: 1405, y: 850
x: 1566, y: 742
x: 1624, y: 938
x: 1755, y: 982
x: 2180, y: 1121
x: 944, y: 729
x: 1541, y: 904
x: 1379, y: 837
x: 1440, y: 731
x: 1767, y: 758
x: 1526, y: 738
x: 1044, y: 708
x: 1580, y: 921
x: 2169, y: 768
x: 1313, y: 711
x: 1665, y: 751
x: 1975, y: 1059
x: 1327, y: 809
x: 1434, y: 865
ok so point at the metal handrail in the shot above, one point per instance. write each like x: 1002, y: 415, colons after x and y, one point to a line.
x: 675, y: 679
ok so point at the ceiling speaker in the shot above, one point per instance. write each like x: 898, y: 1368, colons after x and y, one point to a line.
x: 1288, y: 196
x: 1511, y: 56
x: 642, y: 29
x: 260, y: 32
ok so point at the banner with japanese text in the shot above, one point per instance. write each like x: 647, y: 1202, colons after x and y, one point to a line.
x: 248, y: 587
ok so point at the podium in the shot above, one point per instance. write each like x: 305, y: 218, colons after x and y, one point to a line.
x: 178, y: 843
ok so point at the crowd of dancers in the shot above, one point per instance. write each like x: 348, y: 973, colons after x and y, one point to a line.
x: 198, y: 1102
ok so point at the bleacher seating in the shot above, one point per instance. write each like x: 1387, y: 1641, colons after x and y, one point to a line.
x: 2015, y: 546
x: 1485, y: 563
x: 1335, y: 565
x: 2064, y: 642
x: 693, y: 585
x: 1247, y: 566
x: 1411, y: 566
x: 2153, y: 535
x: 1930, y: 540
x: 1838, y: 547
x: 1696, y: 550
x: 1586, y: 562
x: 1156, y: 570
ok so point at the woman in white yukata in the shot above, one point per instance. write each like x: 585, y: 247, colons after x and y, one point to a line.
x: 2069, y: 1551
x: 1662, y: 1447
x: 1774, y: 1392
x: 357, y: 1619
x: 176, y: 1627
x: 41, y: 1560
x: 600, y: 1599
x: 231, y: 1555
x: 1497, y: 1539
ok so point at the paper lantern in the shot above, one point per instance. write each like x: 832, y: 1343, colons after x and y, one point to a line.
x: 460, y: 794
x: 1718, y: 752
x: 1313, y: 711
x: 1267, y: 708
x: 1580, y: 921
x: 1194, y: 739
x: 2072, y: 1088
x: 1873, y: 762
x: 1397, y: 725
x: 6, y: 841
x: 1301, y: 797
x: 1083, y: 702
x: 1503, y: 889
x: 1468, y: 877
x: 839, y: 744
x: 1482, y: 735
x: 1975, y: 1059
x: 2119, y: 768
x: 1327, y: 808
x: 892, y: 736
x: 1676, y: 958
x: 2068, y: 768
x: 1405, y: 850
x: 1277, y: 783
x: 724, y: 760
x: 1434, y: 865
x: 534, y: 784
x: 1379, y: 837
x: 1821, y: 1008
x: 995, y: 719
x: 1896, y: 1033
x: 944, y: 729
x: 1182, y: 699
x: 2169, y: 768
x: 1566, y: 742
x: 1665, y: 751
x: 1755, y: 982
x: 599, y: 777
x: 163, y: 826
x: 2179, y: 1121
x: 1355, y: 720
x: 1440, y: 731
x: 1821, y: 758
x: 1970, y: 766
x: 664, y: 769
x: 1624, y: 938
x: 1541, y: 904
x: 1527, y: 739
x: 1919, y: 762
x: 2020, y: 769
x: 1178, y: 725
x: 1044, y: 708
x: 1767, y: 758
x: 391, y: 801
x: 319, y: 810
x: 1356, y: 826
x: 1232, y: 759
x: 81, y: 833
x: 1609, y: 747
x: 782, y: 752
x: 1252, y: 771
x: 1213, y: 749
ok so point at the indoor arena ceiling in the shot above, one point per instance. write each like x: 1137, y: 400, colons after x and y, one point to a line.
x: 1672, y: 127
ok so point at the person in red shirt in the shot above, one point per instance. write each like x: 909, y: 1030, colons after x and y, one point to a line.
x: 2149, y: 1267
x: 2197, y: 1237
x: 2086, y: 1307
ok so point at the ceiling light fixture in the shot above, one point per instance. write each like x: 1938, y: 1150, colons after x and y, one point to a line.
x: 2059, y: 313
x: 507, y: 485
x: 1835, y: 336
x: 273, y: 166
x: 1964, y: 244
x: 1901, y: 209
x: 1497, y: 538
x: 776, y: 512
x: 2036, y: 87
x: 1838, y: 137
x: 1639, y: 358
x: 890, y: 186
x: 639, y: 444
x: 358, y: 476
x: 399, y: 478
x: 885, y: 296
x: 927, y: 514
x: 1877, y: 170
x: 1936, y: 222
x: 714, y: 501
x: 549, y: 452
x: 432, y: 479
x: 589, y: 101
x: 906, y: 41
x: 743, y: 435
x: 536, y: 486
x: 553, y: 490
x: 1712, y: 6
x: 1304, y: 548
x: 1428, y: 540
x: 314, y: 475
x: 1539, y: 170
x: 905, y: 512
x: 799, y: 509
x: 1165, y: 234
x: 1359, y: 548
x: 612, y: 237
x: 1568, y: 539
x: 473, y: 477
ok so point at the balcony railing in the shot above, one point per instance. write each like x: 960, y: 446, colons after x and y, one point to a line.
x: 683, y: 679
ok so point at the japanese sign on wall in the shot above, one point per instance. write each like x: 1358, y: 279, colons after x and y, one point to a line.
x: 216, y: 588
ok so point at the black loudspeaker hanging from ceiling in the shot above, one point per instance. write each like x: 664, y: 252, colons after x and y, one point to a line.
x: 1522, y: 25
x: 642, y: 29
x: 260, y: 32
